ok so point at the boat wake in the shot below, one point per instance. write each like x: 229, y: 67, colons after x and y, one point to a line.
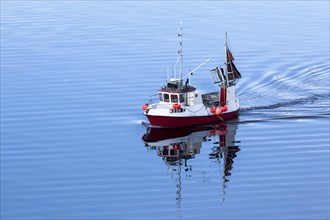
x: 300, y: 101
x: 298, y: 117
x: 301, y: 92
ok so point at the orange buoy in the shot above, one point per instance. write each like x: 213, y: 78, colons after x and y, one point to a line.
x: 218, y: 110
x: 145, y: 107
x: 176, y: 147
x: 176, y: 106
x: 217, y: 132
x: 225, y: 108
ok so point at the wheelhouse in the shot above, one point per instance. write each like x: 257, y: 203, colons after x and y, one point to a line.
x: 173, y: 93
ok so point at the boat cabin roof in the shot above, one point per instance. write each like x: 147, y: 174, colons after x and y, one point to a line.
x: 176, y: 87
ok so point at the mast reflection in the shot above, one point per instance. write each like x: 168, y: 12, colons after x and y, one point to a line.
x: 177, y: 146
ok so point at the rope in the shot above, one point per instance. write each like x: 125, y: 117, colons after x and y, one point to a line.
x: 193, y: 111
x: 201, y: 109
x: 219, y: 117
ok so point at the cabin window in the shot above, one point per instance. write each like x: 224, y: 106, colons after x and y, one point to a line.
x: 161, y: 97
x: 174, y: 98
x: 173, y: 152
x: 166, y: 97
x: 181, y: 98
x: 165, y: 152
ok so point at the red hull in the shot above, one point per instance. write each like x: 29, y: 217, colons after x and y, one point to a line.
x: 165, y: 121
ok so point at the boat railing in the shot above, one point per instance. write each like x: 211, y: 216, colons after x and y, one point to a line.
x: 153, y: 99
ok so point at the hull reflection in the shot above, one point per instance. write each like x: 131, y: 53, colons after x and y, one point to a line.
x: 177, y: 146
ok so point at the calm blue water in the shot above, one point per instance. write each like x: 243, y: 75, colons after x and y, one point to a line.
x: 74, y: 75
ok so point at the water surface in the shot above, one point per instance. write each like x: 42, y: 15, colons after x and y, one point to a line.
x: 74, y: 76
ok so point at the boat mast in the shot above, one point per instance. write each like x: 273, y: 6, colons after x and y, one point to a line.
x: 226, y: 59
x: 180, y: 53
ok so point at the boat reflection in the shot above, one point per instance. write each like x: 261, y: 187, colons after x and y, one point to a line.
x: 177, y: 146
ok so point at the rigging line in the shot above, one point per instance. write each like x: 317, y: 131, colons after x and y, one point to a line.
x: 199, y: 66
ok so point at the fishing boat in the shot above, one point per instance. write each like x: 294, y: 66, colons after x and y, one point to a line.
x: 179, y: 104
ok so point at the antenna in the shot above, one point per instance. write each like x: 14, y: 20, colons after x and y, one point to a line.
x: 168, y: 73
x: 226, y: 59
x: 180, y: 52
